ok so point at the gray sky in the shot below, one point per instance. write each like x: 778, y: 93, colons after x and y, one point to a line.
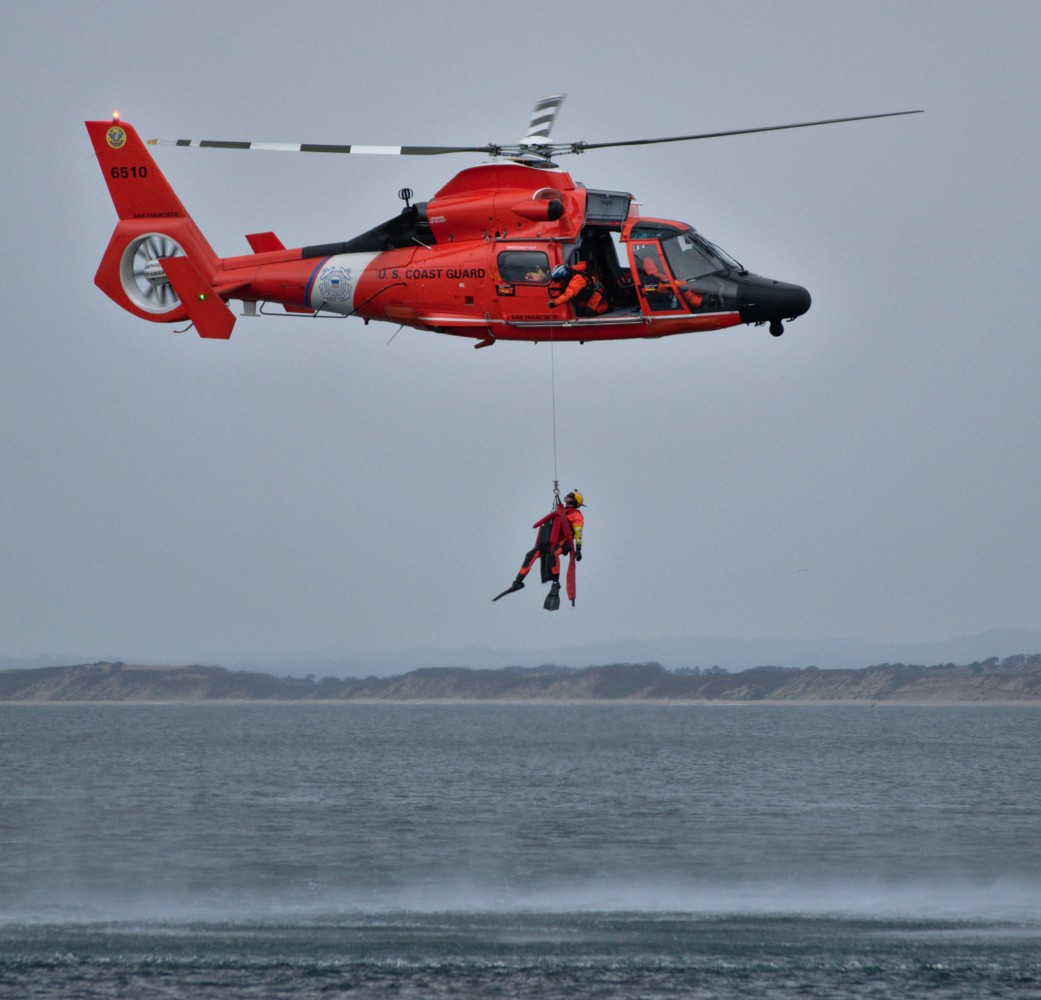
x: 306, y: 486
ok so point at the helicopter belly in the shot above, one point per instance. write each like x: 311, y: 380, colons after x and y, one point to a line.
x: 627, y: 326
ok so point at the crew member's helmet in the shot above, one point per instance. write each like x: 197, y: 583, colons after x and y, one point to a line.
x: 560, y: 272
x: 574, y: 499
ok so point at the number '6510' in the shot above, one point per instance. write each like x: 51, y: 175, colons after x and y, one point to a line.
x: 123, y: 172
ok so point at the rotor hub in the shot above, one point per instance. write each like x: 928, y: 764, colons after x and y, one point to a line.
x: 153, y: 273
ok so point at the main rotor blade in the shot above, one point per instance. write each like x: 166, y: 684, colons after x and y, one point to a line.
x: 580, y: 147
x: 315, y: 147
x: 529, y: 149
x: 542, y: 118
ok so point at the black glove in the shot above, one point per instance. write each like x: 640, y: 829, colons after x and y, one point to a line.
x: 578, y: 552
x: 551, y: 304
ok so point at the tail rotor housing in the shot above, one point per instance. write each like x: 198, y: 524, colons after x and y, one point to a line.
x: 141, y: 272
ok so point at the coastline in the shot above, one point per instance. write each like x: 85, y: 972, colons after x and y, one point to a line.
x: 1015, y: 681
x: 544, y: 702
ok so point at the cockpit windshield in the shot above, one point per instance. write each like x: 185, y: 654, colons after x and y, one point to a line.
x: 691, y: 257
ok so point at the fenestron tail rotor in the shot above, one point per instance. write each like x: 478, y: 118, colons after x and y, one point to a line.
x: 142, y: 276
x: 534, y: 149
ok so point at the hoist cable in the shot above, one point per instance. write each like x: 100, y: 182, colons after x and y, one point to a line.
x: 553, y: 389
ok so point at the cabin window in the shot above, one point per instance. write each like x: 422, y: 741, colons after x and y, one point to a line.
x: 524, y: 267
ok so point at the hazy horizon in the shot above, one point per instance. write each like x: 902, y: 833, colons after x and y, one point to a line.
x: 704, y: 652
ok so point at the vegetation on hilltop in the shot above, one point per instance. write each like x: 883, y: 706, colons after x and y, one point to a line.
x: 1013, y: 679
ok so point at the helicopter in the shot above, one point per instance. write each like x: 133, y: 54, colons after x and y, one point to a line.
x: 475, y: 261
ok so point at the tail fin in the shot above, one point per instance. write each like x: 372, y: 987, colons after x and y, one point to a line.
x: 153, y: 226
x: 138, y: 188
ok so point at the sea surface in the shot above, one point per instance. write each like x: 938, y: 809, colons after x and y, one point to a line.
x: 649, y: 851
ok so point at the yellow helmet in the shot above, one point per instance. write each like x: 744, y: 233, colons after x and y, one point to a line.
x: 576, y: 496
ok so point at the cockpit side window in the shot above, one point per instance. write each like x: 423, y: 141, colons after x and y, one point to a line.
x: 524, y: 267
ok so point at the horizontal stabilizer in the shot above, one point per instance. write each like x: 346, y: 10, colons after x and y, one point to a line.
x: 212, y: 318
x: 264, y: 242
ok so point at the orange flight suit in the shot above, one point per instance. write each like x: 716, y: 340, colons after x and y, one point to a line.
x: 583, y: 280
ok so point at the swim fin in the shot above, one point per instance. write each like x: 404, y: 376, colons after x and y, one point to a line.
x: 517, y: 584
x: 553, y: 598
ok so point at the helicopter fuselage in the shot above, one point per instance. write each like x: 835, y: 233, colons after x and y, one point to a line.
x: 476, y: 260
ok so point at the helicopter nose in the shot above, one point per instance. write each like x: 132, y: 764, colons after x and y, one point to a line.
x: 763, y: 300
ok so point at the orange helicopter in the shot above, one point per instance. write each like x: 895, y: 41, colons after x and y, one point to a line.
x: 477, y: 260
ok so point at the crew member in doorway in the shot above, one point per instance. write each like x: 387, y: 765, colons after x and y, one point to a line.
x: 583, y: 286
x: 550, y: 545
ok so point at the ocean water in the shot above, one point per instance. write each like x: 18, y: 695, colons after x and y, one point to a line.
x: 519, y: 851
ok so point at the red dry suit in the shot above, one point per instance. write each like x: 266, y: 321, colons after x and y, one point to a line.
x: 559, y: 532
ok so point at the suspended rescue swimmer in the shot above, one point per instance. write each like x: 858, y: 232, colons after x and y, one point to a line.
x: 559, y: 534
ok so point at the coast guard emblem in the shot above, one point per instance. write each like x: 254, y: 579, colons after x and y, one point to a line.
x: 334, y: 284
x: 116, y: 137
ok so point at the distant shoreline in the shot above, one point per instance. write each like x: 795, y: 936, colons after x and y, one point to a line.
x: 532, y: 702
x: 1013, y: 681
